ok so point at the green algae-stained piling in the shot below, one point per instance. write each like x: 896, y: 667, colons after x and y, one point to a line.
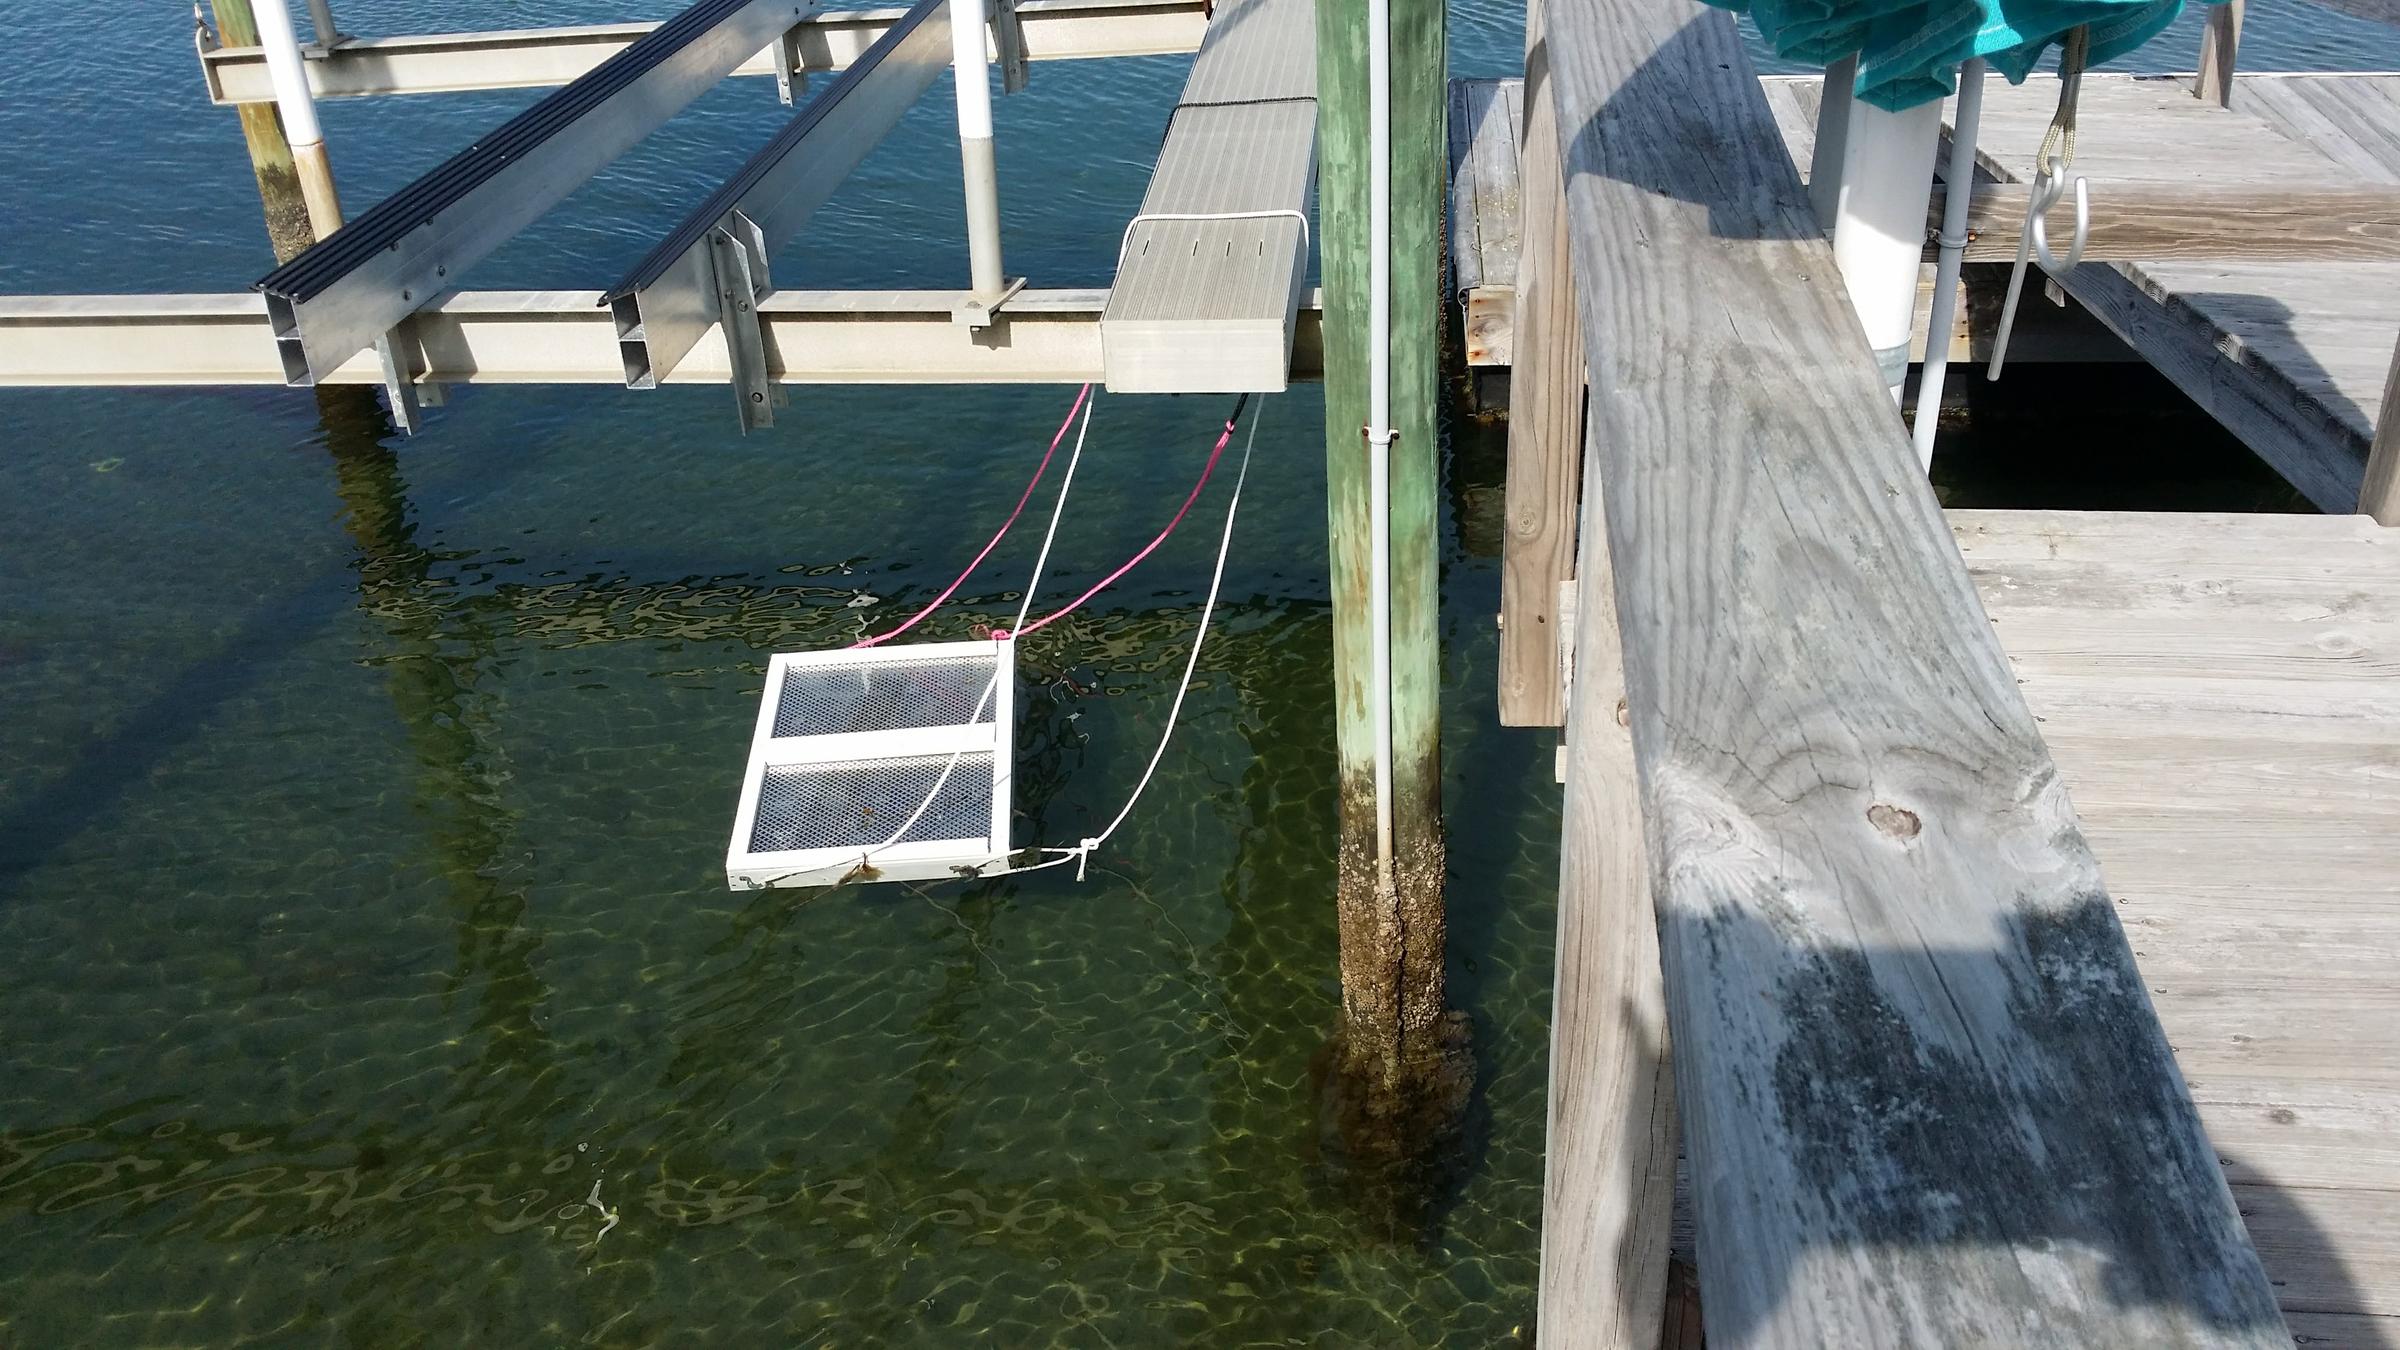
x: 1392, y: 944
x: 270, y: 151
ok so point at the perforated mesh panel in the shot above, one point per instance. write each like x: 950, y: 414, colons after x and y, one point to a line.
x: 821, y: 701
x: 858, y: 803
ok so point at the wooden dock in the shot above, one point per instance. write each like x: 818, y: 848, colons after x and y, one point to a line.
x: 2291, y: 356
x: 2222, y: 696
x: 2023, y: 885
x: 2290, y: 345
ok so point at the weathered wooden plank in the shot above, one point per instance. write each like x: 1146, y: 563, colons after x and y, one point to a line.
x: 2162, y: 223
x: 2292, y: 107
x: 1485, y: 224
x: 2220, y: 41
x: 2379, y: 485
x: 1611, y: 1145
x: 2275, y: 1131
x: 1466, y: 253
x: 2335, y: 1251
x: 2267, y: 350
x: 1611, y: 1148
x: 1545, y: 433
x: 2247, y: 821
x: 1903, y: 1011
x: 2343, y: 1331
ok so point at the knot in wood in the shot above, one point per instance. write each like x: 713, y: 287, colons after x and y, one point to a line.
x: 1896, y: 821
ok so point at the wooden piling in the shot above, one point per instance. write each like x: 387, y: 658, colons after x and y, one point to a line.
x: 1545, y: 420
x: 1391, y: 944
x: 279, y: 188
x: 2220, y: 43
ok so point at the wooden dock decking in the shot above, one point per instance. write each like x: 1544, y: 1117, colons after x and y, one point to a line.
x: 2292, y: 357
x: 2222, y: 696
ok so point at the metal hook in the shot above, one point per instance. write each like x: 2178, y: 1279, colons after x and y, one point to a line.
x: 2048, y: 188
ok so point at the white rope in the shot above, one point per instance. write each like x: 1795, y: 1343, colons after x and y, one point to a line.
x: 1125, y: 240
x: 997, y: 671
x: 1081, y: 854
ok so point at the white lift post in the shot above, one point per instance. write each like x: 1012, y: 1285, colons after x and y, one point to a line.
x: 986, y: 286
x: 299, y: 109
x: 1879, y: 223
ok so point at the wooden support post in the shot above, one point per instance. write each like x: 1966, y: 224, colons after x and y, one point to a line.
x: 271, y: 160
x: 2219, y: 43
x: 1924, y: 1093
x: 1391, y: 944
x: 2379, y: 491
x: 1545, y: 420
x: 1609, y: 1180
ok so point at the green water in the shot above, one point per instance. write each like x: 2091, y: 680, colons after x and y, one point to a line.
x: 364, y: 805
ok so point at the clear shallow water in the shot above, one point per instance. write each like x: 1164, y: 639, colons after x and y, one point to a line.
x: 364, y: 802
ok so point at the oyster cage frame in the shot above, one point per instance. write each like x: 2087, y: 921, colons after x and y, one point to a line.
x: 848, y: 745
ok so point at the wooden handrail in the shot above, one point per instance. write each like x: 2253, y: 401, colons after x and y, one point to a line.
x: 1925, y: 1097
x: 2163, y: 223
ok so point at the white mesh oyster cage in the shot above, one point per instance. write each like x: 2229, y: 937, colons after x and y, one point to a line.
x: 851, y: 743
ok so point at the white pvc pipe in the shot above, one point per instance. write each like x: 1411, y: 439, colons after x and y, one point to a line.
x: 1958, y: 180
x: 285, y: 71
x: 299, y: 110
x: 1833, y: 130
x: 1379, y: 415
x: 977, y: 163
x: 320, y: 17
x: 1879, y: 226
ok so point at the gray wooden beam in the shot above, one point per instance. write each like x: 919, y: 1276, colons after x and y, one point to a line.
x: 2379, y: 489
x: 1926, y: 1098
x: 2160, y: 222
x: 1545, y: 425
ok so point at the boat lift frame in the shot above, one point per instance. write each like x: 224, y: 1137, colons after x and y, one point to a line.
x: 711, y: 270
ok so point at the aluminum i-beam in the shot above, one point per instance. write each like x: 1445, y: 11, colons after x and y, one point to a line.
x: 711, y: 270
x: 823, y: 42
x: 356, y: 286
x: 566, y: 337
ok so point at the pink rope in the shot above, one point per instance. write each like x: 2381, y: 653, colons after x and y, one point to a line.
x: 1215, y: 453
x: 1039, y: 470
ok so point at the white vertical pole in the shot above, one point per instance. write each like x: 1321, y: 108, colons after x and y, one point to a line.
x: 1958, y: 182
x: 320, y: 16
x: 1379, y: 416
x: 299, y: 109
x: 981, y: 171
x: 1833, y: 130
x: 1879, y: 225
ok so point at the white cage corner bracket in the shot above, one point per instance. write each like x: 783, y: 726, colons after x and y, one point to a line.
x: 852, y: 743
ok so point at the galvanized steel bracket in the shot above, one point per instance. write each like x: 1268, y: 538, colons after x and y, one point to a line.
x: 738, y: 256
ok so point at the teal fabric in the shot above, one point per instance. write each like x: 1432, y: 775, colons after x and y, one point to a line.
x: 1909, y: 50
